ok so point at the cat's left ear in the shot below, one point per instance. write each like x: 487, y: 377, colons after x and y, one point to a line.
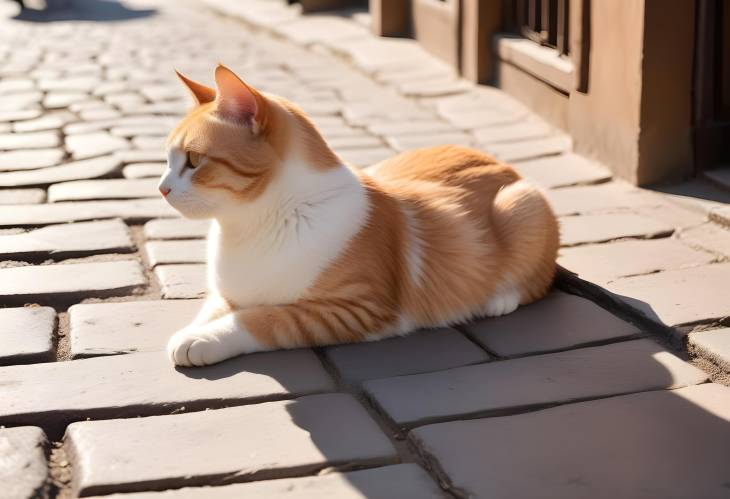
x: 237, y: 101
x: 201, y: 93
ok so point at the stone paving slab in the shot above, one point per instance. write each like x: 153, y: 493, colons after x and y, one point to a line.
x: 24, y: 471
x: 559, y: 321
x: 26, y: 335
x: 563, y: 171
x: 182, y: 281
x: 710, y: 237
x: 420, y: 351
x: 144, y: 170
x: 713, y: 345
x: 608, y: 227
x: 146, y: 383
x: 177, y: 228
x: 531, y: 382
x: 103, y: 166
x: 135, y: 326
x: 67, y: 241
x: 607, y: 197
x: 164, y: 252
x: 602, y: 263
x: 22, y: 196
x: 401, y: 481
x: 29, y: 140
x: 137, y: 210
x: 67, y: 282
x: 655, y: 445
x: 254, y: 442
x: 53, y: 121
x: 530, y: 149
x: 512, y: 133
x: 664, y: 297
x: 30, y: 159
x: 115, y: 188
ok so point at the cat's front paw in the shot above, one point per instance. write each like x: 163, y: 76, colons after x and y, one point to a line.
x: 189, y: 347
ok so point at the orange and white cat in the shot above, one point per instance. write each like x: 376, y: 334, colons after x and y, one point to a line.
x: 305, y: 250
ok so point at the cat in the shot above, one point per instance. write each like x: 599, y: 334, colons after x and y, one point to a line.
x: 305, y: 250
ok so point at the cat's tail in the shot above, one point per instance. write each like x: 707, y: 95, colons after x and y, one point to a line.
x: 527, y: 227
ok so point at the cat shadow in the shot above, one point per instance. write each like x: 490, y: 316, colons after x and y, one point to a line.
x: 84, y: 10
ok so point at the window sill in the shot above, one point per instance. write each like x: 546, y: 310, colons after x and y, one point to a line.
x: 541, y: 62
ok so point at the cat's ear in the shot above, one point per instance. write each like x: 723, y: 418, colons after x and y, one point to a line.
x: 237, y: 101
x: 201, y: 93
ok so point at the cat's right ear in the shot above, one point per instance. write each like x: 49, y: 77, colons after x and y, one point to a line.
x: 201, y: 93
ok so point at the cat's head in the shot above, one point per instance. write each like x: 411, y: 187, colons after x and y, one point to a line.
x: 232, y: 145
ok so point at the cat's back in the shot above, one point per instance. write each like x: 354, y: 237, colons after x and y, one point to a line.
x: 455, y: 166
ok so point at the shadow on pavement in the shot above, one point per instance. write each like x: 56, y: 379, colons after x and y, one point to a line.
x: 85, y: 10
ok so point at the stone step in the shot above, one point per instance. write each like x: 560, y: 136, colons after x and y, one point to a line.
x: 135, y: 326
x: 655, y: 445
x: 255, y: 442
x: 72, y: 282
x: 401, y: 481
x: 146, y: 383
x: 531, y: 382
x: 67, y: 241
x: 26, y: 335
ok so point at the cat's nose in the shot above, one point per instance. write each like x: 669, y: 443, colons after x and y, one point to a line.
x: 164, y: 191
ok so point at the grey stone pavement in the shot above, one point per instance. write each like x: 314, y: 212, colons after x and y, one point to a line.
x: 614, y: 386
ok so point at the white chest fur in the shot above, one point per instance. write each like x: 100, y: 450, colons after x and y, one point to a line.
x: 274, y: 248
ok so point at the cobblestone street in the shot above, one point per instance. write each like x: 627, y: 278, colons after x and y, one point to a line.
x: 622, y: 371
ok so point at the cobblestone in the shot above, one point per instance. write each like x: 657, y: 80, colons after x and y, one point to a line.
x: 562, y: 171
x: 76, y: 211
x: 82, y: 190
x: 22, y: 196
x: 163, y: 252
x: 30, y: 159
x: 26, y: 335
x: 177, y: 228
x: 69, y: 282
x: 290, y: 438
x: 144, y: 170
x: 24, y: 473
x: 137, y: 326
x: 90, y: 168
x: 144, y: 383
x: 67, y: 241
x: 182, y: 281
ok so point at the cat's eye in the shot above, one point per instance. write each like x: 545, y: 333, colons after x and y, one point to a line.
x: 193, y: 159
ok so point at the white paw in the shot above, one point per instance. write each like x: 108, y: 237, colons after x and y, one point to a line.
x: 191, y: 347
x: 503, y: 303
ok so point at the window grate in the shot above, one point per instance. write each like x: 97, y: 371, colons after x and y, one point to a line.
x: 542, y: 21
